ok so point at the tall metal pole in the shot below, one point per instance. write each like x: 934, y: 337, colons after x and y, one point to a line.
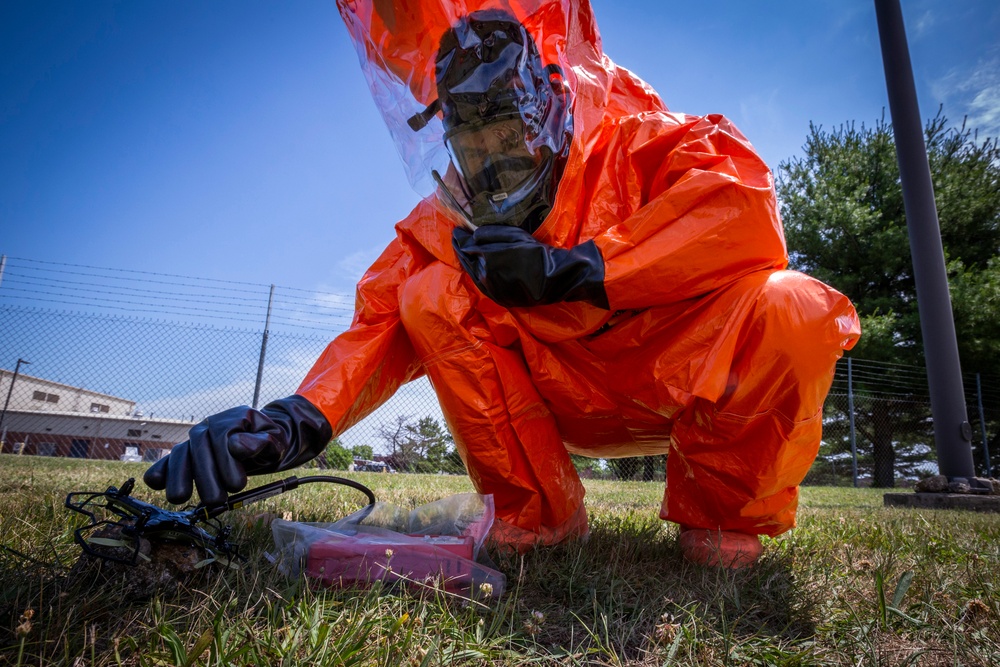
x: 952, y: 432
x: 10, y: 390
x: 263, y: 348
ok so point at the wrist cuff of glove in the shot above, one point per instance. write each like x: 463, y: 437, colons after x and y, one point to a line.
x: 587, y: 256
x: 306, y: 428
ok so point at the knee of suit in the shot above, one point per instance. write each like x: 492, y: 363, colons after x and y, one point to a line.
x: 788, y: 349
x: 810, y: 320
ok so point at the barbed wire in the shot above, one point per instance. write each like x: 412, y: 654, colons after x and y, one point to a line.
x: 869, y: 376
x: 27, y: 282
x: 81, y: 285
x: 77, y: 286
x: 198, y: 279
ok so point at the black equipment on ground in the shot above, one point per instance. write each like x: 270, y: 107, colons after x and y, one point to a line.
x: 132, y: 520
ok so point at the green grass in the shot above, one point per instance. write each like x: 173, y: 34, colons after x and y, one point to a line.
x: 854, y: 584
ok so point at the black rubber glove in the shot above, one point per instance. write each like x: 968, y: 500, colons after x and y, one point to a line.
x: 223, y: 449
x: 513, y: 268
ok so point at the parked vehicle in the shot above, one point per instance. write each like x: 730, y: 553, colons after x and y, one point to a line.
x: 375, y: 466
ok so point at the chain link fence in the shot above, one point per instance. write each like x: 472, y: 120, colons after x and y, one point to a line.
x: 86, y: 371
x: 878, y: 429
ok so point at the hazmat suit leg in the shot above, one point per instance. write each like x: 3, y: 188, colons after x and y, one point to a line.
x: 503, y: 430
x: 735, y: 463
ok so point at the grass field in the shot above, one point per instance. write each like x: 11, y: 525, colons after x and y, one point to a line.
x: 854, y: 584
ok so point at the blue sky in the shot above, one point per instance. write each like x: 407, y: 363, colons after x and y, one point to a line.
x: 237, y: 140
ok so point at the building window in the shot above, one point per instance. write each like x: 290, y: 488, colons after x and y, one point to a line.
x: 157, y: 437
x: 134, y: 433
x: 99, y: 407
x: 79, y: 449
x: 42, y: 396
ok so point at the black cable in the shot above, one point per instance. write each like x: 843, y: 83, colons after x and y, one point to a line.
x: 238, y: 500
x: 340, y: 480
x: 366, y: 510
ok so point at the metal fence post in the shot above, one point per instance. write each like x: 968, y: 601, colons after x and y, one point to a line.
x: 850, y: 417
x: 10, y: 390
x: 982, y: 426
x: 263, y: 348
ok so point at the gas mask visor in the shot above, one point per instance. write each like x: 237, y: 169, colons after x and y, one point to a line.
x: 499, y: 170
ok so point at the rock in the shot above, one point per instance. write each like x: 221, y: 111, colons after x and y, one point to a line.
x: 958, y: 487
x: 982, y: 485
x: 935, y: 484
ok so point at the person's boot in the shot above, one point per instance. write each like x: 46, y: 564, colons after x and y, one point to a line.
x: 720, y: 548
x: 508, y: 538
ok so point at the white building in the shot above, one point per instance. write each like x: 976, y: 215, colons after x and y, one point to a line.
x: 33, y: 394
x: 53, y: 419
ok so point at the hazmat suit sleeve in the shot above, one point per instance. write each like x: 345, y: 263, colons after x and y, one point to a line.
x: 364, y: 366
x: 703, y: 210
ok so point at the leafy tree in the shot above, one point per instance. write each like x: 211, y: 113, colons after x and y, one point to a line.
x: 394, y: 435
x: 365, y: 452
x: 334, y: 457
x: 589, y: 468
x: 842, y: 207
x: 423, y: 446
x: 642, y: 468
x: 453, y: 463
x: 845, y: 223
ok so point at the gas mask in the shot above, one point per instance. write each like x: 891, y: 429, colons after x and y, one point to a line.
x: 507, y: 122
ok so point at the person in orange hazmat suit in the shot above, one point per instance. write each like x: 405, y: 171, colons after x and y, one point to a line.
x: 588, y: 273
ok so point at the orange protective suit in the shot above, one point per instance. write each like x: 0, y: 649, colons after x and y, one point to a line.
x: 711, y: 351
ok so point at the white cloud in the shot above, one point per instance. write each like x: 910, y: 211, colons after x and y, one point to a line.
x: 974, y: 94
x: 762, y: 109
x: 326, y: 312
x: 984, y: 110
x: 282, y: 374
x: 923, y: 25
x: 281, y: 377
x: 331, y: 303
x: 351, y: 268
x: 847, y: 18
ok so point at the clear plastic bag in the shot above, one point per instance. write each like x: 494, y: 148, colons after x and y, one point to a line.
x: 437, y: 544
